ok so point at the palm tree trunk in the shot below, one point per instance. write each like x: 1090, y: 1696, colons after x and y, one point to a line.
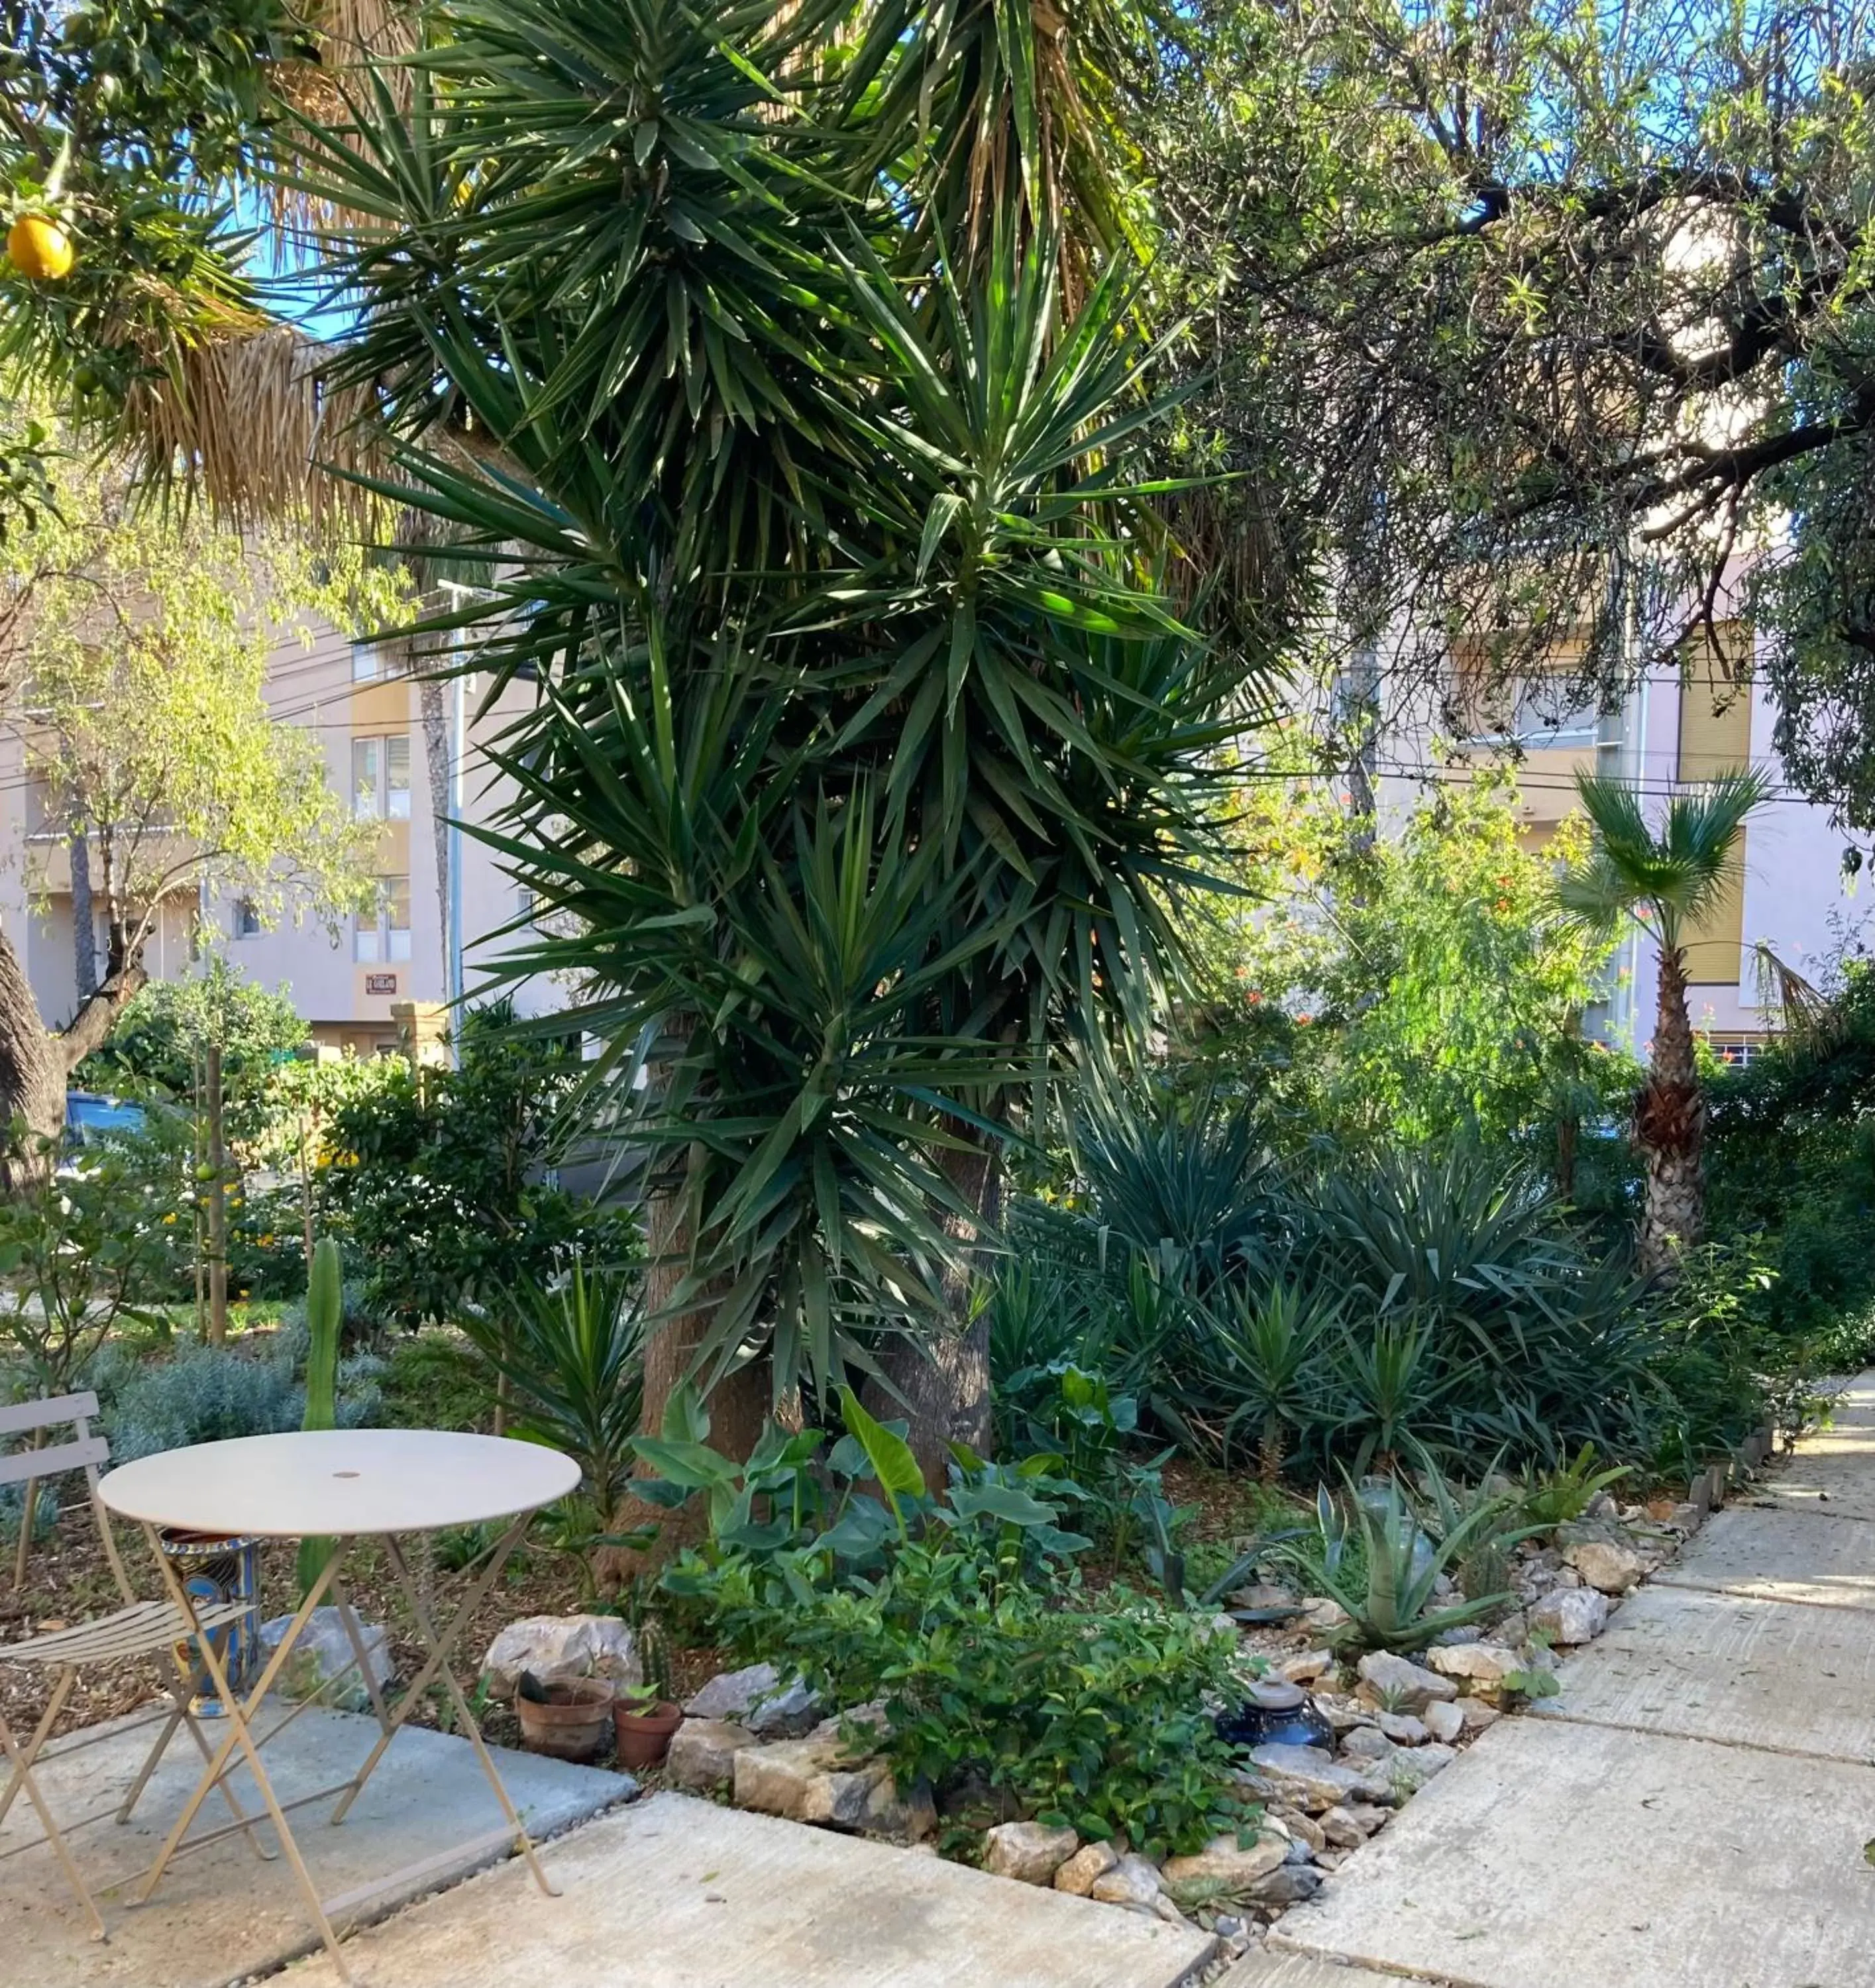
x: 942, y: 1384
x: 1670, y: 1127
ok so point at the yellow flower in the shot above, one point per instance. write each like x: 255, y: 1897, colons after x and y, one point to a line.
x: 170, y: 1216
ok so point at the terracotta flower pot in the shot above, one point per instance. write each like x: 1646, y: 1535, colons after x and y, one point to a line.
x: 644, y: 1736
x: 571, y: 1724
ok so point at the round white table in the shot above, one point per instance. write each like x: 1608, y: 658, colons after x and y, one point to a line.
x: 344, y: 1485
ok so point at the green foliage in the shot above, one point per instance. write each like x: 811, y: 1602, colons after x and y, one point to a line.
x: 207, y: 1394
x: 1552, y: 1498
x: 1666, y: 874
x: 155, y: 1047
x: 144, y: 644
x: 1089, y: 1715
x: 80, y: 1255
x: 571, y: 1355
x: 870, y: 744
x: 1791, y: 1168
x: 437, y: 1174
x: 790, y: 1518
x: 1410, y: 986
x: 1404, y: 1546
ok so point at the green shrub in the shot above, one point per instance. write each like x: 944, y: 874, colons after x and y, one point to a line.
x: 206, y: 1394
x: 439, y: 1176
x: 1094, y: 1716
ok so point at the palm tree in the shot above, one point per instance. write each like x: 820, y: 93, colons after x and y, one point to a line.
x: 869, y: 750
x: 1665, y: 881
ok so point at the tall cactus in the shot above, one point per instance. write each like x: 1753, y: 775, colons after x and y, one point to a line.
x: 325, y: 1314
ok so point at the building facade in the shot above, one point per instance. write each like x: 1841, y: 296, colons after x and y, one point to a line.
x: 1791, y: 899
x: 408, y: 757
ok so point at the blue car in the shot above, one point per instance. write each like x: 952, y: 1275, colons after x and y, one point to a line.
x: 91, y: 1117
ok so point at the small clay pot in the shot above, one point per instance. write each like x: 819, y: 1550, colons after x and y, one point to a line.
x: 571, y: 1724
x: 644, y: 1735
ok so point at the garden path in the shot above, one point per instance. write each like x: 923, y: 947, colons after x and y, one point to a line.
x: 674, y: 1892
x: 1697, y: 1810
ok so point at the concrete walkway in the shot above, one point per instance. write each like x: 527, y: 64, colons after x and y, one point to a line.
x: 673, y: 1892
x: 1697, y: 1810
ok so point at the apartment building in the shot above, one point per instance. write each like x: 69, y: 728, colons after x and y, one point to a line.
x: 1790, y: 898
x: 408, y: 758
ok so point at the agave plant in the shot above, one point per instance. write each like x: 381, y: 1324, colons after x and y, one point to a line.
x: 1388, y: 1587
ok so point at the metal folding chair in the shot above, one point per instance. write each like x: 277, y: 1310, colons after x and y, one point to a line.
x: 139, y: 1628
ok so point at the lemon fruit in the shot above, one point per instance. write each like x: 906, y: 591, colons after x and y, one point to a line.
x: 39, y: 248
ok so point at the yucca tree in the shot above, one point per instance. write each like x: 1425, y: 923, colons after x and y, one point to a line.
x: 868, y: 755
x: 1664, y: 879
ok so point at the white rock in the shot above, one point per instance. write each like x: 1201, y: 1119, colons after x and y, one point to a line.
x: 1311, y: 1664
x: 1478, y: 1714
x: 775, y: 1779
x: 1323, y: 1616
x: 755, y: 1697
x: 702, y: 1755
x: 1348, y: 1826
x: 1612, y: 1568
x: 1484, y: 1663
x: 1411, y: 1769
x: 322, y: 1666
x: 1306, y: 1778
x: 1403, y: 1729
x: 1029, y: 1852
x: 1130, y: 1881
x: 556, y: 1648
x: 1367, y: 1744
x: 1091, y: 1860
x: 1402, y: 1685
x: 1572, y: 1615
x: 1444, y: 1722
x: 1221, y: 1861
x: 845, y: 1796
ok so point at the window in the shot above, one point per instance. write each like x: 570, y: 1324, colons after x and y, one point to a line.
x: 1553, y: 710
x: 247, y: 918
x: 381, y: 777
x: 381, y: 931
x: 364, y: 662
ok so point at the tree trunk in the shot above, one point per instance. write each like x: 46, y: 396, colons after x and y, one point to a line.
x: 32, y: 1072
x: 942, y: 1385
x: 738, y: 1407
x: 1670, y: 1127
x: 84, y: 925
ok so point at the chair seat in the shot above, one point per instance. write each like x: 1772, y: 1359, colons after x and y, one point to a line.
x: 130, y: 1632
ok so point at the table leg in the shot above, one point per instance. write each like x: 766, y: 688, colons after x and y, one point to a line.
x: 239, y: 1734
x: 360, y: 1656
x: 439, y: 1647
x: 437, y: 1657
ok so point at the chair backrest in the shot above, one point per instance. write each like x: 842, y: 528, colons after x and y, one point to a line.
x: 81, y: 1451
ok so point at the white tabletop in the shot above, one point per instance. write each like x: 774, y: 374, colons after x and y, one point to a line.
x: 339, y: 1482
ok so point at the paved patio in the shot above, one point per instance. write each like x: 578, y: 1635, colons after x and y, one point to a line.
x: 674, y: 1892
x: 220, y: 1914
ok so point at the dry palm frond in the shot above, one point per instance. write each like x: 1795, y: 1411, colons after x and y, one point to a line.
x: 1802, y: 1008
x: 244, y: 414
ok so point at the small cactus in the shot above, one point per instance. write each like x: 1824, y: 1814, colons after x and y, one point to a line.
x: 325, y: 1314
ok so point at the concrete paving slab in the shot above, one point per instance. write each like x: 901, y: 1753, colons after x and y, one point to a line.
x: 1264, y: 1969
x: 674, y: 1892
x: 1731, y: 1668
x: 220, y: 1914
x: 1780, y: 1555
x: 1567, y: 1856
x: 1832, y: 1473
